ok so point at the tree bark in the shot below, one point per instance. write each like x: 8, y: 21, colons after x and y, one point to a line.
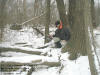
x: 89, y: 37
x: 2, y: 18
x: 77, y: 43
x: 93, y: 14
x: 47, y: 21
x: 62, y: 13
x: 24, y: 10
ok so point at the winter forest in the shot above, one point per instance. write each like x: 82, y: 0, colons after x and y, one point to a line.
x: 28, y: 37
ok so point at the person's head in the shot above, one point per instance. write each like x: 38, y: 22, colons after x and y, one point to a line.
x: 58, y: 24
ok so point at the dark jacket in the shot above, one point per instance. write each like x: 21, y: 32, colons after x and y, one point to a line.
x: 63, y: 34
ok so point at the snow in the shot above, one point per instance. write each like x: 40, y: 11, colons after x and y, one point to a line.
x: 27, y: 39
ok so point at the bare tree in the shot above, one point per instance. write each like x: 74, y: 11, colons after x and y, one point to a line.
x: 19, y: 11
x: 2, y: 17
x: 93, y: 13
x: 36, y: 6
x: 47, y: 21
x: 89, y: 36
x: 77, y: 43
x: 24, y: 10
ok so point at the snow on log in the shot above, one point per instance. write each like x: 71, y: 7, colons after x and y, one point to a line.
x: 49, y: 64
x: 4, y: 49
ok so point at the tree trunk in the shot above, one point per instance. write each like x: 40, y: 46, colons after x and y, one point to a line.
x: 2, y: 18
x: 36, y: 6
x: 62, y: 13
x: 93, y: 14
x: 19, y: 13
x: 47, y: 21
x: 24, y: 10
x: 89, y: 36
x: 98, y: 13
x: 77, y: 43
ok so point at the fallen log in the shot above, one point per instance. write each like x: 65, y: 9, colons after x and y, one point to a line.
x: 14, y: 66
x: 51, y: 64
x: 46, y: 63
x: 4, y: 49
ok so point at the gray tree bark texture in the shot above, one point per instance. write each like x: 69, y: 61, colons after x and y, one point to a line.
x: 24, y: 10
x: 77, y: 43
x: 89, y: 36
x: 47, y: 21
x: 80, y: 21
x: 2, y: 18
x: 62, y: 13
x: 93, y: 14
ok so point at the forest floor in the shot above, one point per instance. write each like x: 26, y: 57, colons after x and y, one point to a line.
x: 21, y: 54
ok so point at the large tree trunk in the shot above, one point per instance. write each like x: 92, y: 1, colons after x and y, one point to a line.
x: 81, y: 25
x: 77, y: 43
x: 47, y: 21
x: 89, y: 37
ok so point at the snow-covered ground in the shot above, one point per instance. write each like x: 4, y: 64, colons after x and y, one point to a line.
x: 27, y: 39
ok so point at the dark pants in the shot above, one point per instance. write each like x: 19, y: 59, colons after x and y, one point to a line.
x: 58, y: 44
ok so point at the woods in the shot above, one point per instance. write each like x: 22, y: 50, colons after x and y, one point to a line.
x: 36, y: 19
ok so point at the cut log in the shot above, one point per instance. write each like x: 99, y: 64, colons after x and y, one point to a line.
x: 4, y: 49
x: 49, y: 64
x: 16, y: 65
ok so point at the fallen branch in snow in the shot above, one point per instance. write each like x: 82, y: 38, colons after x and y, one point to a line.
x: 46, y: 63
x: 16, y: 65
x: 33, y: 18
x: 4, y: 49
x: 38, y: 31
x: 51, y: 64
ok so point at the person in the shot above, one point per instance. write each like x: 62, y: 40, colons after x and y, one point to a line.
x: 61, y: 36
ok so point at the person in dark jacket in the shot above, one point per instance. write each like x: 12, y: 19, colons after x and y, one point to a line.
x: 62, y: 35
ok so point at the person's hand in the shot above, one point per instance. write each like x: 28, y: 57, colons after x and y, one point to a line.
x: 50, y: 36
x: 56, y: 39
x: 63, y: 42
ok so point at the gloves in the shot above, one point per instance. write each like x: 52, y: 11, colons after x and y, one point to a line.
x: 56, y: 39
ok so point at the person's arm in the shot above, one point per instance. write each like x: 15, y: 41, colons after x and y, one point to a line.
x: 66, y: 34
x: 53, y: 35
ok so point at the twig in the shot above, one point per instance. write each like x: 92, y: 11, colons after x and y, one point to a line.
x: 38, y: 31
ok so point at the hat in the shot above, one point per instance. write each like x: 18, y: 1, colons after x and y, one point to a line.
x: 57, y: 23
